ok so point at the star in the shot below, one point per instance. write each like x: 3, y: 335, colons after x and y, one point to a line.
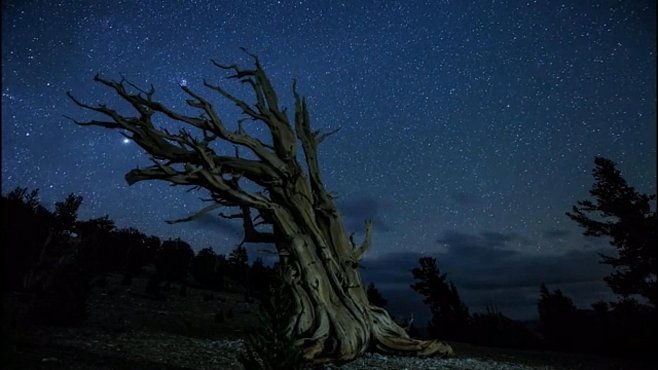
x: 455, y: 121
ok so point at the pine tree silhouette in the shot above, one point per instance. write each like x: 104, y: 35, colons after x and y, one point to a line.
x: 375, y: 297
x: 450, y: 315
x: 625, y: 217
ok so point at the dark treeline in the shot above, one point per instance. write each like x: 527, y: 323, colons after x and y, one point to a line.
x: 54, y: 260
x: 626, y: 327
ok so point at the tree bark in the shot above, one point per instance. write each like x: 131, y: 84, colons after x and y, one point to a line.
x: 333, y: 320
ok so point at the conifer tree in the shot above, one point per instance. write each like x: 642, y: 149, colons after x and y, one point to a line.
x: 450, y: 315
x: 375, y: 297
x: 625, y: 217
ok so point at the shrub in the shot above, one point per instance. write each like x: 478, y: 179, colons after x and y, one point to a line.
x: 272, y: 346
x: 61, y: 286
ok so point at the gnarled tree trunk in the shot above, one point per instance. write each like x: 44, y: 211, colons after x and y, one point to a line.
x: 333, y: 321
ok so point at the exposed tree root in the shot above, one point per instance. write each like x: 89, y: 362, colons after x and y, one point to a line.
x: 388, y: 337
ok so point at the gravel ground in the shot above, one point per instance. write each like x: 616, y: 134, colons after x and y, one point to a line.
x: 127, y: 331
x: 178, y: 352
x: 377, y: 361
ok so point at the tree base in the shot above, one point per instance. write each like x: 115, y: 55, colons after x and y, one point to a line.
x: 389, y: 338
x: 386, y: 337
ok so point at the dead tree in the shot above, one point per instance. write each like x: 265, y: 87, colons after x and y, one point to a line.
x: 333, y: 320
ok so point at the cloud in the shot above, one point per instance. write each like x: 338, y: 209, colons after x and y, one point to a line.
x: 214, y: 222
x: 487, y: 271
x: 556, y: 234
x: 498, y: 239
x: 485, y: 261
x: 392, y: 268
x: 483, y: 246
x: 356, y: 210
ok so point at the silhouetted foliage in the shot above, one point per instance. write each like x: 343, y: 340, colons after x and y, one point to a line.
x: 102, y: 225
x: 154, y: 287
x: 56, y: 259
x: 623, y: 328
x: 25, y: 228
x: 557, y: 317
x: 138, y: 251
x: 30, y: 200
x: 221, y: 269
x: 632, y: 329
x: 53, y: 256
x: 173, y: 261
x: 271, y: 345
x: 238, y: 259
x: 59, y: 279
x: 124, y: 250
x: 375, y: 297
x: 492, y: 328
x: 60, y: 287
x: 449, y: 314
x: 260, y: 277
x: 66, y: 214
x: 238, y: 264
x: 203, y: 267
x: 97, y: 233
x: 625, y: 216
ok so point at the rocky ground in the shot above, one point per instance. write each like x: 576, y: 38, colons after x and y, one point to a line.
x: 203, y: 330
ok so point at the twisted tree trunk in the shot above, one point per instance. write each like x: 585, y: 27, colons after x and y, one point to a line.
x: 333, y: 321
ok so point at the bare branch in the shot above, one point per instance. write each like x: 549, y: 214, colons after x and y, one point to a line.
x: 251, y: 235
x: 310, y: 147
x: 321, y: 267
x: 215, y: 125
x: 230, y: 217
x: 352, y: 240
x: 319, y: 137
x: 196, y: 214
x: 267, y: 106
x: 367, y: 241
x: 410, y: 323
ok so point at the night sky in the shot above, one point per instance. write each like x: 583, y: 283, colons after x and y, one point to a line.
x: 468, y: 128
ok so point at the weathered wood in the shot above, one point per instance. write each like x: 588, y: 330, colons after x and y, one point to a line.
x: 333, y: 321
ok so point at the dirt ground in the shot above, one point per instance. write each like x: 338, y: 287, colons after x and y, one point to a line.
x: 202, y: 330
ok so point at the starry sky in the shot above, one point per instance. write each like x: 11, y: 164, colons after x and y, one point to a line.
x: 468, y: 128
